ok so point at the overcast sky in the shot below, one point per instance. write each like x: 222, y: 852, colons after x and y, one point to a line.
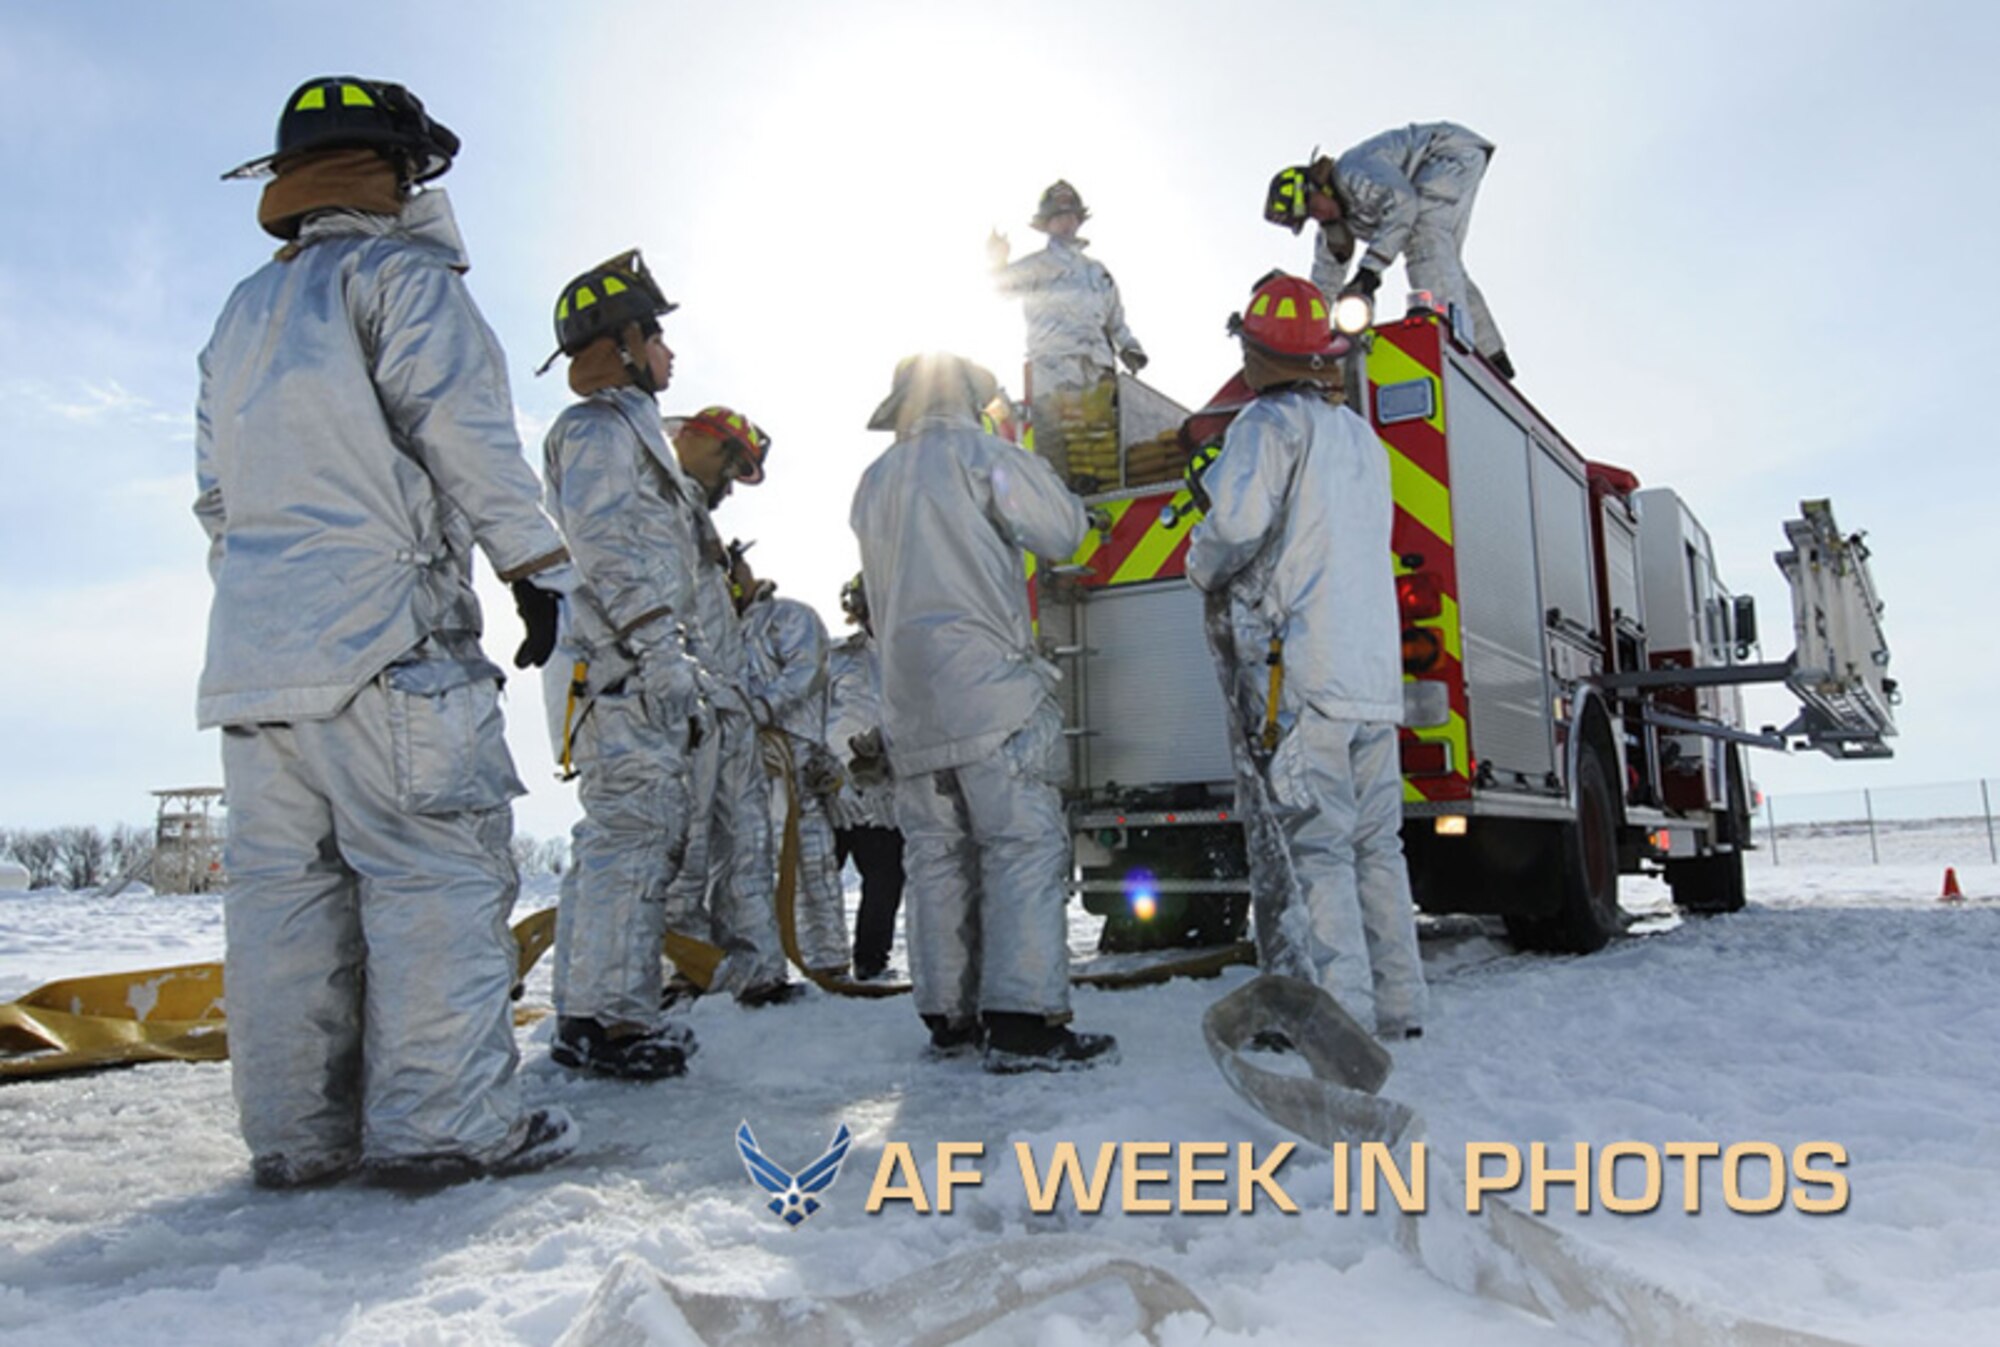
x: 1744, y: 249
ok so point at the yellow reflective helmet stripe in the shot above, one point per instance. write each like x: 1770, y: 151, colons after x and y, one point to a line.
x: 1318, y: 309
x: 585, y: 297
x: 1261, y: 306
x: 312, y: 100
x: 613, y: 286
x: 1287, y: 309
x: 354, y: 96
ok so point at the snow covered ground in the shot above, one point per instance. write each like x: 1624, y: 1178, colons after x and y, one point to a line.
x: 1845, y: 1005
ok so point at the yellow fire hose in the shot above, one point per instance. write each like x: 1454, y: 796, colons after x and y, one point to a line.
x: 175, y: 1014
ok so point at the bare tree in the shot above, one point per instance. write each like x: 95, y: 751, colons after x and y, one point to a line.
x: 129, y: 844
x: 554, y: 855
x: 80, y: 856
x: 38, y: 850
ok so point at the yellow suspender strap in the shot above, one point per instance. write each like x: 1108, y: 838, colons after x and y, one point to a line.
x: 1275, y: 659
x: 579, y: 688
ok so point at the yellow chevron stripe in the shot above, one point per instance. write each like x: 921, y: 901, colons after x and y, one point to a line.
x: 1426, y: 498
x: 1389, y: 363
x: 1446, y: 626
x: 1152, y: 552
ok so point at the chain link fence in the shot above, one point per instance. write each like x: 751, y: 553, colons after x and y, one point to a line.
x: 1888, y: 826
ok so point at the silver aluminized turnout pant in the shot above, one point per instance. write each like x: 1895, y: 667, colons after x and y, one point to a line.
x: 626, y: 851
x: 1336, y: 788
x: 369, y: 961
x: 986, y: 856
x: 723, y: 892
x: 1447, y: 184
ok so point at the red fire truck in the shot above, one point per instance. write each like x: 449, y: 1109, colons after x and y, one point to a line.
x: 1573, y: 665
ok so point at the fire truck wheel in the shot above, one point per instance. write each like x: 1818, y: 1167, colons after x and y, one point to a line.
x: 1586, y: 872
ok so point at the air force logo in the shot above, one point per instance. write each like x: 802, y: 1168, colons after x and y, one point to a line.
x: 792, y: 1197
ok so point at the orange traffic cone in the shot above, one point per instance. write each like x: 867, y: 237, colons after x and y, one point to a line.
x: 1952, y: 893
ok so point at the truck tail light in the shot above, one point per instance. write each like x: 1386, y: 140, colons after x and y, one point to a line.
x: 1419, y: 596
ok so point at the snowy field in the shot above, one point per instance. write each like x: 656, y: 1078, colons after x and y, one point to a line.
x: 1845, y: 1005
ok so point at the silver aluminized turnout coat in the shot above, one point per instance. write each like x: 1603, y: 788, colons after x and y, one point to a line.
x: 724, y: 889
x: 944, y: 518
x: 632, y: 533
x: 1298, y: 537
x: 348, y: 469
x: 354, y: 442
x: 615, y: 490
x: 1076, y: 321
x: 974, y: 736
x: 1409, y: 193
x: 786, y: 645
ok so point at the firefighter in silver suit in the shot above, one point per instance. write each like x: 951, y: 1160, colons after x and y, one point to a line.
x: 864, y: 812
x: 973, y: 734
x: 724, y: 892
x: 355, y: 443
x: 624, y: 694
x: 1409, y: 193
x: 1296, y: 535
x: 1077, y: 336
x: 787, y: 647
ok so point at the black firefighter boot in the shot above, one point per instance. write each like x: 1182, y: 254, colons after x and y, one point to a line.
x: 586, y: 1045
x: 953, y: 1038
x: 1017, y: 1043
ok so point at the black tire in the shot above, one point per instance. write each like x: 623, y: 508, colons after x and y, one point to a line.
x: 1584, y: 866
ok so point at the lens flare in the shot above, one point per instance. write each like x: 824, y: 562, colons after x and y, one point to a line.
x: 1140, y: 895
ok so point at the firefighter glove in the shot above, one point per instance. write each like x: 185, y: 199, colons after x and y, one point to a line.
x: 1366, y: 282
x: 672, y: 678
x: 540, y: 610
x: 820, y: 774
x: 1134, y: 358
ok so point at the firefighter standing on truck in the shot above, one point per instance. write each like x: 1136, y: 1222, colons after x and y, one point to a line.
x: 970, y: 718
x: 624, y: 692
x: 724, y: 891
x: 786, y: 643
x: 1406, y: 192
x: 1296, y: 536
x: 1076, y: 337
x: 354, y: 441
